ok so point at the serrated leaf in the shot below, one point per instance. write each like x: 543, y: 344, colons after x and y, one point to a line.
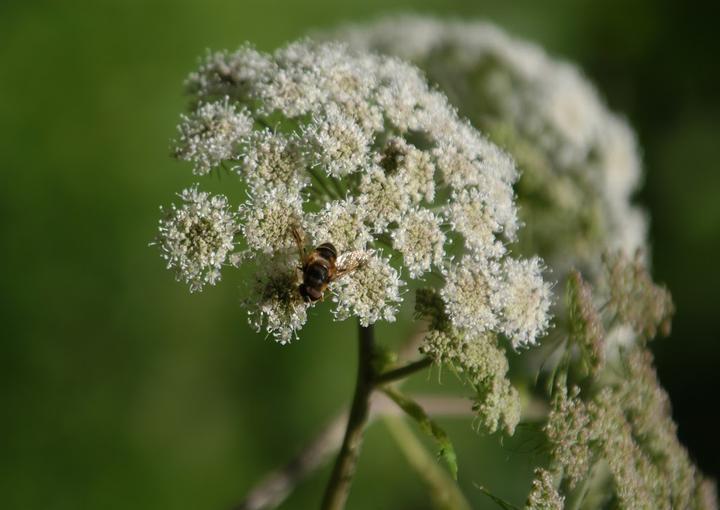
x: 416, y: 412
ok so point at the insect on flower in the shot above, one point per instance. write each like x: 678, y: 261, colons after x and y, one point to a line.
x: 322, y: 266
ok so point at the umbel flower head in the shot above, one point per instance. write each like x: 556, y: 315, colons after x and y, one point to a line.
x: 580, y: 163
x: 196, y: 238
x: 353, y: 149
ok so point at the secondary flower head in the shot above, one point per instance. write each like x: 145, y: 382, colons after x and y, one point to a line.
x: 354, y: 149
x: 580, y: 163
x: 625, y: 426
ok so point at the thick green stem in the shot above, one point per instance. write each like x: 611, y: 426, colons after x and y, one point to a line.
x: 338, y: 486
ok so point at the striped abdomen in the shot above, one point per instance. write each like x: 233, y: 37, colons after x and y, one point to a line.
x: 318, y: 272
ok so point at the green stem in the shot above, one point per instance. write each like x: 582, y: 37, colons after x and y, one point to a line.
x: 401, y: 372
x: 575, y: 500
x: 338, y: 188
x: 321, y: 182
x: 338, y: 487
x: 443, y: 489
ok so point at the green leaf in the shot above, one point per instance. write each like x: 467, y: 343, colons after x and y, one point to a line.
x: 500, y: 502
x: 413, y: 409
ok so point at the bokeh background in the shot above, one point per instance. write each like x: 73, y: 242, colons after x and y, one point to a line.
x: 119, y: 389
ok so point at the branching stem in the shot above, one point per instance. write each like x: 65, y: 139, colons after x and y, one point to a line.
x: 402, y: 372
x: 276, y: 487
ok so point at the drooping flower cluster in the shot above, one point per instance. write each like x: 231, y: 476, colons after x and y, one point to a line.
x: 480, y: 299
x: 355, y: 150
x: 580, y: 163
x: 626, y: 442
x: 475, y: 356
x: 617, y: 434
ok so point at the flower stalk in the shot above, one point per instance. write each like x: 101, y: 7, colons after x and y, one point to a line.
x: 401, y: 372
x: 338, y: 487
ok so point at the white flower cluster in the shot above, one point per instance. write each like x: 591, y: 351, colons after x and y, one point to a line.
x: 580, y: 163
x: 353, y: 149
x: 523, y: 300
x: 209, y: 135
x: 484, y: 366
x: 372, y: 293
x: 196, y: 238
x: 510, y: 297
x: 421, y: 240
x: 274, y: 302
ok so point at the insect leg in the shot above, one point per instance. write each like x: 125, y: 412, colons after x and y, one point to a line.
x: 299, y: 237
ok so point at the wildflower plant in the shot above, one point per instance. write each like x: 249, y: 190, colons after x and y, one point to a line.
x: 350, y: 155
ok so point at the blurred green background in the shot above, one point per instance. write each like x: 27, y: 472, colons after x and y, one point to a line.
x: 121, y: 390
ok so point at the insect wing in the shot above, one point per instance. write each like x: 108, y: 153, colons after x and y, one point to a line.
x: 299, y: 237
x: 350, y: 261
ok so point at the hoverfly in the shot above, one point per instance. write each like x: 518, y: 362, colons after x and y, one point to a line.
x: 323, y: 265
